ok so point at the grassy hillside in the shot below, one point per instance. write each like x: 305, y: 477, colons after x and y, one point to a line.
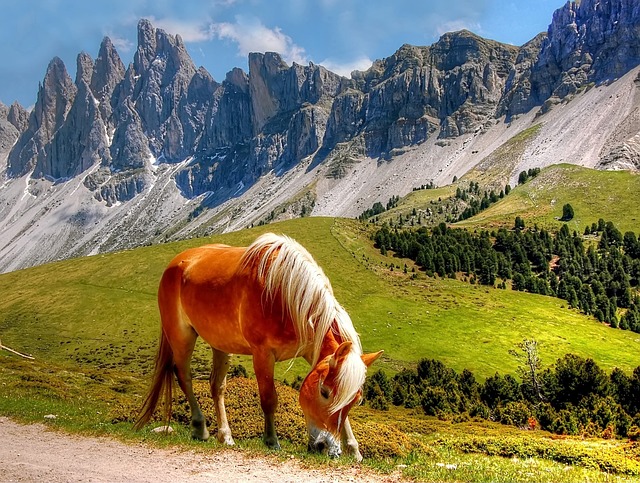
x: 101, y: 311
x: 593, y: 194
x: 92, y: 326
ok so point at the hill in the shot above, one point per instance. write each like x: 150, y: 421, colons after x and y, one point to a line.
x: 101, y: 311
x: 593, y: 194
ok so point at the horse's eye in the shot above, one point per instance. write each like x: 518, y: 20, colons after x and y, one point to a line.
x: 325, y: 392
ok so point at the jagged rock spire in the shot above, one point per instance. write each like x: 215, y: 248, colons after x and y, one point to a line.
x: 55, y: 96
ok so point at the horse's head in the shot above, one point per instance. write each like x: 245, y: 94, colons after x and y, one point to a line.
x: 329, y: 391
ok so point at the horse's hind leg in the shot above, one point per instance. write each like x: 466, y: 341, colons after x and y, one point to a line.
x: 182, y: 359
x: 218, y: 381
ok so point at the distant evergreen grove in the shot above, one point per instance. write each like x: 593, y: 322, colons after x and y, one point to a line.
x: 575, y: 396
x: 469, y: 200
x: 599, y: 274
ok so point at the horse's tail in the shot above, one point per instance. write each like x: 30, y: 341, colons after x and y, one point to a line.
x: 162, y: 386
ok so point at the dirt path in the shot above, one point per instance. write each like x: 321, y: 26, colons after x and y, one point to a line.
x: 32, y: 453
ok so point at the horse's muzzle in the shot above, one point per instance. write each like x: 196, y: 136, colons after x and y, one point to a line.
x: 321, y: 441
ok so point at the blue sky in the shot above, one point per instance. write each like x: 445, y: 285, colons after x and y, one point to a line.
x: 341, y: 34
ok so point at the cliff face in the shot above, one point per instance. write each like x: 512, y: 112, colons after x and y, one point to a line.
x: 55, y: 96
x: 590, y: 41
x: 119, y: 132
x: 450, y: 88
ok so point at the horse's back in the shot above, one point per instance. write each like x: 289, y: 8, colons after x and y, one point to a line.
x: 206, y: 284
x: 208, y: 263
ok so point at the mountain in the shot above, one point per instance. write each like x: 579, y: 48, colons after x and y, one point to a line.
x: 159, y: 150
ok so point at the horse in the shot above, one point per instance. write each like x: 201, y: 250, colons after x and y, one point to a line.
x: 272, y: 301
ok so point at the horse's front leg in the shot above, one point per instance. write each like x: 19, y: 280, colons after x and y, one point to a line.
x: 349, y: 441
x: 218, y: 382
x: 263, y: 364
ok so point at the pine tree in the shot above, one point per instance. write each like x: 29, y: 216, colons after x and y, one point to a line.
x: 567, y: 213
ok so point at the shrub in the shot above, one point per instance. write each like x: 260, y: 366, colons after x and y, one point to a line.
x: 237, y: 370
x: 515, y: 413
x: 377, y: 440
x: 434, y: 401
x: 565, y: 422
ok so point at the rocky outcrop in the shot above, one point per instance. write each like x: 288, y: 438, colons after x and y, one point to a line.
x: 448, y: 89
x: 590, y: 41
x: 108, y: 72
x: 159, y: 81
x: 273, y: 117
x: 82, y: 140
x: 18, y: 117
x: 290, y: 109
x: 55, y: 96
x: 8, y: 133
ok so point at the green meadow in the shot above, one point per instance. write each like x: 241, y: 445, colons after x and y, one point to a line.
x: 593, y: 194
x: 101, y: 310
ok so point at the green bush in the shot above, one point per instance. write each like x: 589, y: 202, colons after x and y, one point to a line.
x: 515, y: 413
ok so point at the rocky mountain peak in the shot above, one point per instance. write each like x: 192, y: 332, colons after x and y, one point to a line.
x: 588, y: 41
x: 146, y: 51
x: 55, y: 96
x: 84, y: 69
x: 8, y: 133
x: 18, y: 116
x: 238, y: 78
x: 108, y: 71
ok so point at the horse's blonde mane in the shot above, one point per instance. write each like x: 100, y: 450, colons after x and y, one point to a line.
x: 286, y: 267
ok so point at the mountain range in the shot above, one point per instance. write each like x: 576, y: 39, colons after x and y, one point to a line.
x: 158, y: 150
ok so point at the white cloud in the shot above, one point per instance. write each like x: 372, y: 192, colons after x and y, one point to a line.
x: 345, y: 68
x: 252, y: 36
x: 122, y: 45
x: 189, y: 31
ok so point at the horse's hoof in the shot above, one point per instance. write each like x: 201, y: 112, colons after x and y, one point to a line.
x: 201, y: 434
x: 272, y: 444
x: 354, y: 451
x: 225, y: 438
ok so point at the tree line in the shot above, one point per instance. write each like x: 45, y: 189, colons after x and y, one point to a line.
x: 600, y: 278
x: 575, y: 396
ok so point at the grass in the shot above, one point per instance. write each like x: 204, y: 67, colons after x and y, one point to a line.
x: 494, y: 171
x: 92, y: 326
x: 101, y: 311
x: 98, y: 402
x: 419, y: 200
x: 593, y: 194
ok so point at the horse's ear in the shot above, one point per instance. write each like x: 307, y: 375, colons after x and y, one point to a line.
x: 341, y: 352
x: 369, y: 359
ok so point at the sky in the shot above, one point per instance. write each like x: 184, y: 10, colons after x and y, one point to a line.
x: 342, y: 35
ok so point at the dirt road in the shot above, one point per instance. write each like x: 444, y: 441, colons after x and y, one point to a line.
x: 32, y: 453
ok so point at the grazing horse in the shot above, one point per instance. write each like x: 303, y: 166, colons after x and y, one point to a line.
x: 272, y: 301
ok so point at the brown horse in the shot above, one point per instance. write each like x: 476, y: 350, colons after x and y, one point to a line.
x: 271, y: 301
